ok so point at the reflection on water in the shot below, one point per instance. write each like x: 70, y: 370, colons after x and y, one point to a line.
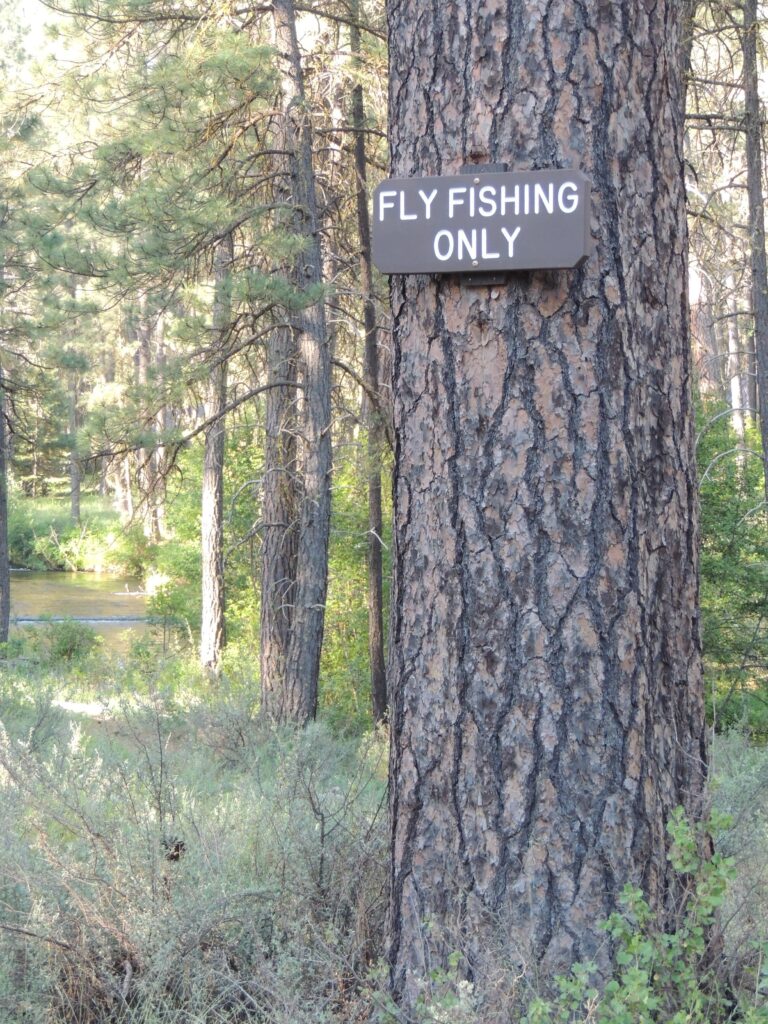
x: 113, y: 605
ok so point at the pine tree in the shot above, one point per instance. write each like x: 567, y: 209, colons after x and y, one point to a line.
x: 547, y: 711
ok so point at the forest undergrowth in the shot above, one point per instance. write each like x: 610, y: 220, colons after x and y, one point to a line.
x: 165, y: 857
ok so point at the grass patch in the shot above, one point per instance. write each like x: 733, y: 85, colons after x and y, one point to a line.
x: 42, y: 535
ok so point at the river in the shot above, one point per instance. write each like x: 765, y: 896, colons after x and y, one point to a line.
x: 114, y: 606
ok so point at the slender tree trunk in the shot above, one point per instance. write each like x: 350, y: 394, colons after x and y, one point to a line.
x: 75, y: 468
x: 147, y: 475
x: 751, y: 384
x: 734, y: 359
x: 688, y: 21
x: 280, y: 486
x: 124, y: 490
x: 280, y: 505
x: 756, y: 218
x: 33, y: 485
x: 163, y: 423
x: 302, y: 665
x: 5, y: 573
x: 371, y: 374
x: 704, y: 340
x: 546, y: 701
x: 212, y: 503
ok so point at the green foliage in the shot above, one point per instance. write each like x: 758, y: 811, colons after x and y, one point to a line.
x: 62, y: 641
x: 160, y: 867
x: 659, y: 977
x: 345, y: 697
x: 740, y: 790
x: 734, y: 575
x: 41, y: 535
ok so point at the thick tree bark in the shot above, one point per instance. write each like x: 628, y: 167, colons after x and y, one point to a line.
x: 212, y: 633
x: 371, y: 374
x: 758, y: 259
x: 298, y: 703
x: 545, y: 689
x: 5, y: 573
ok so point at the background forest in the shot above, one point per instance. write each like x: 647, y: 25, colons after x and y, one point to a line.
x: 183, y: 221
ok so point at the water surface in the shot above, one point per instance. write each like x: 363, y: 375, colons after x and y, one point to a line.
x: 112, y: 605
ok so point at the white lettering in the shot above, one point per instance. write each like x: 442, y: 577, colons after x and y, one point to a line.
x: 466, y: 244
x: 511, y: 239
x: 471, y: 202
x: 447, y: 255
x: 568, y: 197
x: 527, y: 193
x: 428, y: 200
x: 486, y: 254
x: 513, y: 200
x: 544, y: 195
x: 488, y: 205
x: 454, y: 198
x: 403, y: 214
x: 383, y: 204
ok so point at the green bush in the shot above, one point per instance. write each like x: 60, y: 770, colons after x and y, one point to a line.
x: 740, y: 790
x: 661, y: 977
x: 65, y: 641
x: 148, y: 875
x: 42, y: 535
x: 734, y: 575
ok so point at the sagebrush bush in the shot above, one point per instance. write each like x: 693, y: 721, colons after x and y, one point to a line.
x: 147, y: 879
x: 167, y: 858
x: 740, y: 790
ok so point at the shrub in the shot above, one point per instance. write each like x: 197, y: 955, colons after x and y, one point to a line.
x: 660, y: 977
x: 740, y: 789
x: 143, y: 879
x: 66, y: 641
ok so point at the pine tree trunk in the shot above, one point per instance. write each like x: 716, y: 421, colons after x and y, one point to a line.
x: 302, y: 663
x: 146, y: 471
x: 687, y: 27
x: 371, y: 373
x: 163, y: 426
x: 212, y: 633
x: 705, y: 345
x: 5, y: 573
x: 124, y: 490
x: 75, y: 470
x: 280, y: 505
x: 546, y: 700
x: 758, y: 259
x: 734, y: 359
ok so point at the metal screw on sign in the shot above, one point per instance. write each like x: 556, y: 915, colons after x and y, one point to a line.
x: 485, y: 279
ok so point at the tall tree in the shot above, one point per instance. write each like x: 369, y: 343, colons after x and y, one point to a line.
x: 371, y: 372
x: 546, y: 703
x: 5, y: 574
x: 297, y: 701
x: 212, y: 498
x: 758, y: 258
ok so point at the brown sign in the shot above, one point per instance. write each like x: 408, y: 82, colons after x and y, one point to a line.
x: 523, y: 220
